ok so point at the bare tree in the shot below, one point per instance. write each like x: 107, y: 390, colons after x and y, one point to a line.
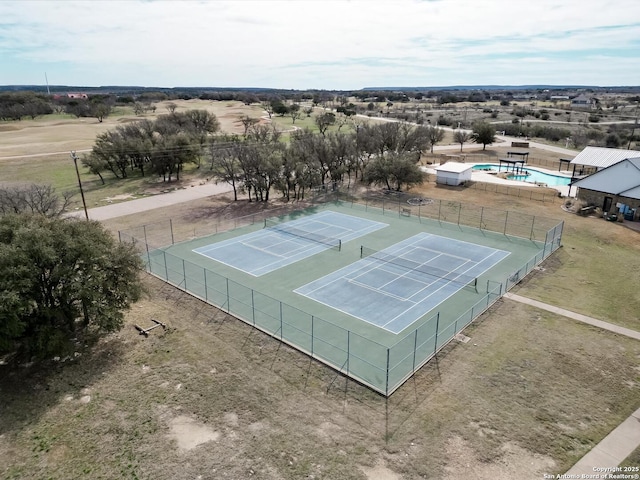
x: 247, y: 123
x: 32, y: 198
x: 267, y: 107
x: 461, y: 136
x: 171, y: 107
x: 435, y: 135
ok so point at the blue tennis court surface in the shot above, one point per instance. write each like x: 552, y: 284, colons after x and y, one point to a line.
x: 271, y: 248
x: 396, y: 286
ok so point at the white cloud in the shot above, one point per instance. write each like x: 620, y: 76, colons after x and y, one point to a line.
x: 258, y: 43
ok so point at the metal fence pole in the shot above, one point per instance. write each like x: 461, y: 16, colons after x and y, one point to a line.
x: 506, y: 218
x: 253, y: 309
x: 481, y: 216
x: 312, y: 318
x: 415, y: 348
x: 435, y: 346
x: 386, y: 388
x: 171, y: 228
x: 206, y: 289
x: 348, y: 349
x: 228, y: 297
x: 280, y: 320
x: 166, y: 269
x: 533, y: 221
x: 184, y: 275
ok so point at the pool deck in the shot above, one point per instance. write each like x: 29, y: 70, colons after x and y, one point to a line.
x: 479, y: 176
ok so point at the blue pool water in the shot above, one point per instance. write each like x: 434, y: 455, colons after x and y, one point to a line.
x: 533, y: 177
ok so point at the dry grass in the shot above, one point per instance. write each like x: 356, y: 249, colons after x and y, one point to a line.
x: 529, y: 394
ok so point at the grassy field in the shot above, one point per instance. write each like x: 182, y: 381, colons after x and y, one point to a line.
x: 529, y: 394
x: 40, y: 150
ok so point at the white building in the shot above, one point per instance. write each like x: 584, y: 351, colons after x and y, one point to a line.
x: 453, y: 173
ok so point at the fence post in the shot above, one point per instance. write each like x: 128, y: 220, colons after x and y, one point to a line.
x: 348, y: 349
x: 439, y: 209
x: 435, y: 346
x: 171, y: 228
x: 533, y: 221
x: 253, y: 309
x: 228, y: 297
x: 312, y: 318
x: 415, y: 348
x: 206, y: 290
x: 481, y: 216
x: 459, y: 212
x: 166, y: 269
x: 506, y: 218
x: 119, y: 236
x: 386, y: 388
x: 184, y: 275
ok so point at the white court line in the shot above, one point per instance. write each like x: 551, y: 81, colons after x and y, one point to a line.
x: 431, y: 294
x: 227, y: 264
x: 443, y: 286
x: 377, y: 290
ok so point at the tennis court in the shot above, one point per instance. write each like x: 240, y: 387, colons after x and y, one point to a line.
x: 394, y: 287
x: 376, y: 309
x: 282, y: 243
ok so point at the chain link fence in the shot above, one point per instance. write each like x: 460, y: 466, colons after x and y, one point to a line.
x: 381, y: 367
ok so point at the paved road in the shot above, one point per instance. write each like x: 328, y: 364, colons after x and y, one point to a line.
x: 155, y: 201
x: 68, y: 152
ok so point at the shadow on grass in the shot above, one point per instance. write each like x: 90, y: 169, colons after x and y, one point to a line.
x: 26, y: 393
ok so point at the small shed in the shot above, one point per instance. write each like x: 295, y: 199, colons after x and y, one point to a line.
x: 453, y: 173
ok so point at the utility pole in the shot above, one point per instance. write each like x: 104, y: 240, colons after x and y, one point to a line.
x: 84, y: 204
x: 633, y: 130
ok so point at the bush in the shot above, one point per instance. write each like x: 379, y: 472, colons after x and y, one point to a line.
x: 442, y: 120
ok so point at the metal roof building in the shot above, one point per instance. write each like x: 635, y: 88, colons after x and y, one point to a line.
x: 621, y: 179
x: 600, y: 157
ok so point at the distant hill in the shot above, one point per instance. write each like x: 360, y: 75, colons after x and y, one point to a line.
x: 501, y: 87
x: 194, y: 91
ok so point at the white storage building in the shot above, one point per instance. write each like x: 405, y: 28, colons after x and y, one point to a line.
x: 453, y: 173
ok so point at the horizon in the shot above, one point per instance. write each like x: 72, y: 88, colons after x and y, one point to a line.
x: 313, y: 45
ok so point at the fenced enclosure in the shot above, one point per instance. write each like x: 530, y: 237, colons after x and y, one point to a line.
x: 380, y: 360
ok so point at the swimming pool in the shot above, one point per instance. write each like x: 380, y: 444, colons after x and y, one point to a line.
x: 535, y: 176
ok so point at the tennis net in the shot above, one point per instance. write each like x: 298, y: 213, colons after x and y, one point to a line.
x: 297, y: 232
x: 467, y: 281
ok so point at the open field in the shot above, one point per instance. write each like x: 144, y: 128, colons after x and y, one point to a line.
x: 40, y: 150
x: 529, y: 394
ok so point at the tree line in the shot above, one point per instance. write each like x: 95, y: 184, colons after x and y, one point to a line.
x: 258, y: 161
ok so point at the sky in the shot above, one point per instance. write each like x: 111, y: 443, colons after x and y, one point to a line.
x: 312, y: 44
